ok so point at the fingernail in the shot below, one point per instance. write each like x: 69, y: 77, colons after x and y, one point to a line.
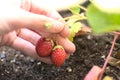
x: 58, y: 24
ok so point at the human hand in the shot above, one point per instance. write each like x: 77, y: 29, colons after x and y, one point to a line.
x: 23, y: 23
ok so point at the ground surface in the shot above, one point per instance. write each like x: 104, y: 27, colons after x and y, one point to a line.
x: 91, y: 50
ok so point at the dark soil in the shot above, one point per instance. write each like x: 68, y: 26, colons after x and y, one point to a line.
x: 91, y: 50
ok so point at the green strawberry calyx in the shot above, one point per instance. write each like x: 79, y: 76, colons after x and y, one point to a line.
x: 52, y: 42
x: 58, y: 47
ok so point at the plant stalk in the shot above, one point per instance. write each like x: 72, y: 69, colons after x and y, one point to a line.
x: 109, y: 54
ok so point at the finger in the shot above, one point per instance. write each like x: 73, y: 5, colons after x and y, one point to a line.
x: 32, y: 36
x: 29, y: 35
x: 29, y: 49
x: 65, y: 32
x: 23, y: 18
x: 68, y: 45
x: 19, y: 18
x: 7, y: 39
x: 39, y: 8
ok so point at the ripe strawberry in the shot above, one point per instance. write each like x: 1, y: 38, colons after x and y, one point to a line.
x: 44, y: 47
x: 58, y: 55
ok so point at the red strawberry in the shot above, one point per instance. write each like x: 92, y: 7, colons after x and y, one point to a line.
x: 58, y: 55
x: 44, y: 47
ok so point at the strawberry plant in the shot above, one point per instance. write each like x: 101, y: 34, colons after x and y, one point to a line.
x: 48, y: 47
x: 102, y: 18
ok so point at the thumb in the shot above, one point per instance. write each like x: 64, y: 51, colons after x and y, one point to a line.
x: 19, y: 18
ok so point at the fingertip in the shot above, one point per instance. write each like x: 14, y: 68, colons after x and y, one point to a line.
x: 67, y: 44
x: 72, y: 48
x: 56, y: 27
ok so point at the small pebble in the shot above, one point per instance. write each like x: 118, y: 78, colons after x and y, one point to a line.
x: 2, y: 60
x: 39, y: 63
x: 32, y: 60
x: 16, y: 55
x: 3, y: 55
x: 16, y: 70
x: 21, y: 56
x: 89, y: 37
x: 108, y: 69
x: 12, y: 61
x: 7, y: 71
x: 69, y: 69
x: 103, y: 56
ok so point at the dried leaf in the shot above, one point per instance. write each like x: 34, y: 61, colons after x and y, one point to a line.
x: 114, y: 62
x: 84, y: 30
x: 117, y: 55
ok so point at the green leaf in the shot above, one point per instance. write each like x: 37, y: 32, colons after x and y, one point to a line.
x: 74, y: 28
x: 71, y: 21
x: 77, y: 26
x: 108, y: 6
x: 101, y: 22
x: 75, y: 9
